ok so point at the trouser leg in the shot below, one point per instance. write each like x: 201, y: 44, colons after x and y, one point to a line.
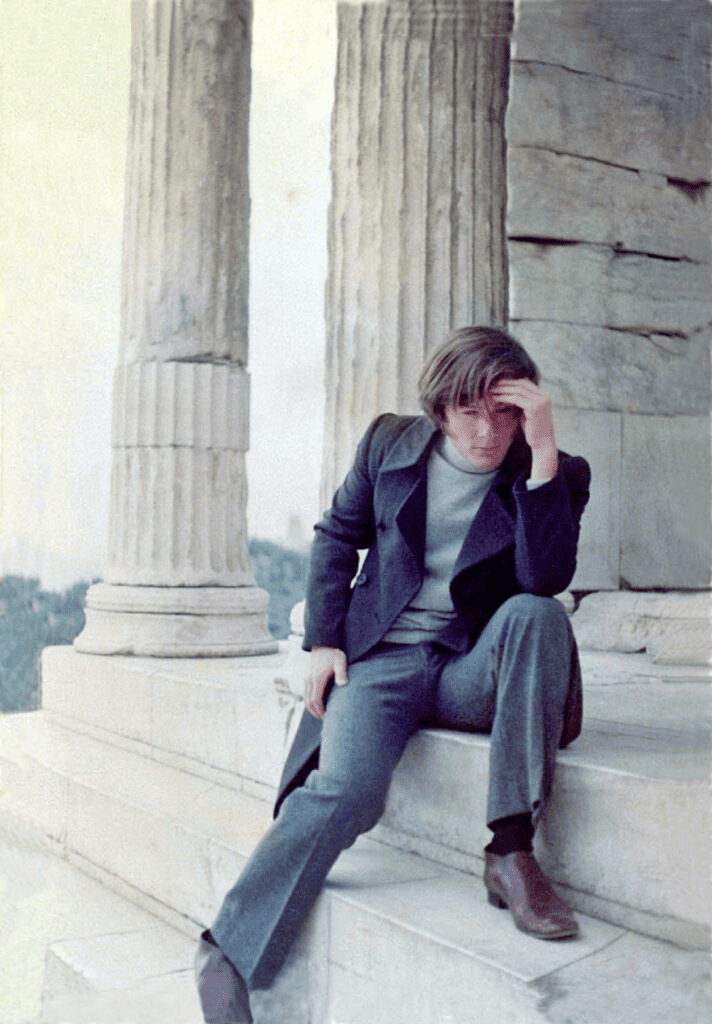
x: 514, y: 684
x: 366, y: 727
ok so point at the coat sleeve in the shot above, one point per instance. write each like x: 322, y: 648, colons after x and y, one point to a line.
x: 548, y: 520
x: 346, y: 528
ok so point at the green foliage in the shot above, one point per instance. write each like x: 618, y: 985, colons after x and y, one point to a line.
x: 31, y: 619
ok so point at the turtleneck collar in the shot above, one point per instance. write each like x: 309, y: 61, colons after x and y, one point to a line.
x: 452, y: 454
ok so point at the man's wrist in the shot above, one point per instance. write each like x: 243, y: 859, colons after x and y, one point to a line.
x: 545, y: 465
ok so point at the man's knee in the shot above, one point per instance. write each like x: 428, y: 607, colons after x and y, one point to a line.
x: 535, y: 609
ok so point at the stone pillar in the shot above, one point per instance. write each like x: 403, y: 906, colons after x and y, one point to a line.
x: 416, y: 223
x: 178, y: 579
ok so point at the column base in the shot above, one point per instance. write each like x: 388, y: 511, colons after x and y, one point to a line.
x: 176, y: 622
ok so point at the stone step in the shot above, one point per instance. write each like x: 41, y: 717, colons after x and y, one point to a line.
x: 224, y: 717
x: 71, y: 949
x: 394, y: 939
x: 627, y: 830
x: 168, y: 1000
x: 175, y: 838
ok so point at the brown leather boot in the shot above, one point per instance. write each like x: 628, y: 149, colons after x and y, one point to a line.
x: 222, y: 990
x: 515, y: 880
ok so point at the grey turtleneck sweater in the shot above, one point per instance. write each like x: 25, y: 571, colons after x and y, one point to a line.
x: 456, y: 489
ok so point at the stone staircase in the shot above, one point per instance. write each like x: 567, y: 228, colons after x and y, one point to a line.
x: 156, y: 778
x: 74, y: 952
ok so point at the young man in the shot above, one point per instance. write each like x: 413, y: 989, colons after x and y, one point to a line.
x: 470, y: 518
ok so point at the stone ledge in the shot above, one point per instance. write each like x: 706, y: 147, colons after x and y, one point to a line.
x: 674, y: 628
x: 84, y: 940
x: 197, y: 714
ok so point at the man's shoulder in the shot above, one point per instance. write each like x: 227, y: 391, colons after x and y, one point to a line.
x: 394, y: 423
x: 574, y: 466
x: 390, y: 425
x: 394, y: 441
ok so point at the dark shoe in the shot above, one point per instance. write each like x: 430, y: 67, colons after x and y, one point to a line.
x: 223, y: 993
x: 515, y: 880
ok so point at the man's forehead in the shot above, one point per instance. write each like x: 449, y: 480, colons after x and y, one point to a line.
x: 487, y: 402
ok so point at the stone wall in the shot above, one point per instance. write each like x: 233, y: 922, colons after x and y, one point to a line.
x: 608, y: 171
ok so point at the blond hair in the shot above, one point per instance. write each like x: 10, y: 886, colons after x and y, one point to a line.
x: 466, y: 365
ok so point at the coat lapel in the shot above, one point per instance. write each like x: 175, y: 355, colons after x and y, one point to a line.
x: 404, y: 497
x: 403, y: 494
x: 492, y: 529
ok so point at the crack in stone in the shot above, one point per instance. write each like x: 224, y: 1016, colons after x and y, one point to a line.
x: 650, y: 334
x: 617, y: 248
x: 619, y: 251
x: 211, y: 360
x: 546, y: 240
x: 602, y: 78
x: 697, y: 185
x: 694, y: 189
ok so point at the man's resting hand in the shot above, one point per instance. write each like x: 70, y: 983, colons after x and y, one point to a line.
x: 325, y: 664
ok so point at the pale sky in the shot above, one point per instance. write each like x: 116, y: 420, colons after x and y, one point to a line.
x: 65, y: 81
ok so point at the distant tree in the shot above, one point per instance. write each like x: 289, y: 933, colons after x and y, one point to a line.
x: 31, y: 619
x: 283, y: 574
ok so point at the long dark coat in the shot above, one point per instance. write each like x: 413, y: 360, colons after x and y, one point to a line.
x: 520, y: 541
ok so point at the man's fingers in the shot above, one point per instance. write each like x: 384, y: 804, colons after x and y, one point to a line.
x: 326, y: 663
x: 313, y: 700
x: 340, y: 674
x: 316, y: 710
x: 524, y: 391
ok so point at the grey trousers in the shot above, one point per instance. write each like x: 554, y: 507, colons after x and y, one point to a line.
x: 513, y: 684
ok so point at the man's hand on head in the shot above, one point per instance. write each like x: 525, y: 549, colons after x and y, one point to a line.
x: 325, y: 664
x: 537, y: 423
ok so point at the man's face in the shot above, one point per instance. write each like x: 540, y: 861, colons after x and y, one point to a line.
x: 482, y: 432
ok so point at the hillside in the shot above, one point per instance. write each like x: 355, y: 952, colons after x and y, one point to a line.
x: 31, y: 618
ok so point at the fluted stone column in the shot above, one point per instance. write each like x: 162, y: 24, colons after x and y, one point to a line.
x: 178, y: 579
x: 416, y: 224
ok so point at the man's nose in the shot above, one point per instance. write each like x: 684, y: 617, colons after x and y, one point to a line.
x: 484, y: 425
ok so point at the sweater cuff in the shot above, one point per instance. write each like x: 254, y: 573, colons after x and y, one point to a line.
x: 533, y: 484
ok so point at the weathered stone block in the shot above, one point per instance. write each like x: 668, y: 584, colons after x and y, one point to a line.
x: 674, y: 628
x: 651, y: 44
x: 596, y: 436
x: 553, y: 195
x: 586, y: 115
x: 666, y: 501
x: 591, y: 367
x: 230, y: 717
x: 588, y: 284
